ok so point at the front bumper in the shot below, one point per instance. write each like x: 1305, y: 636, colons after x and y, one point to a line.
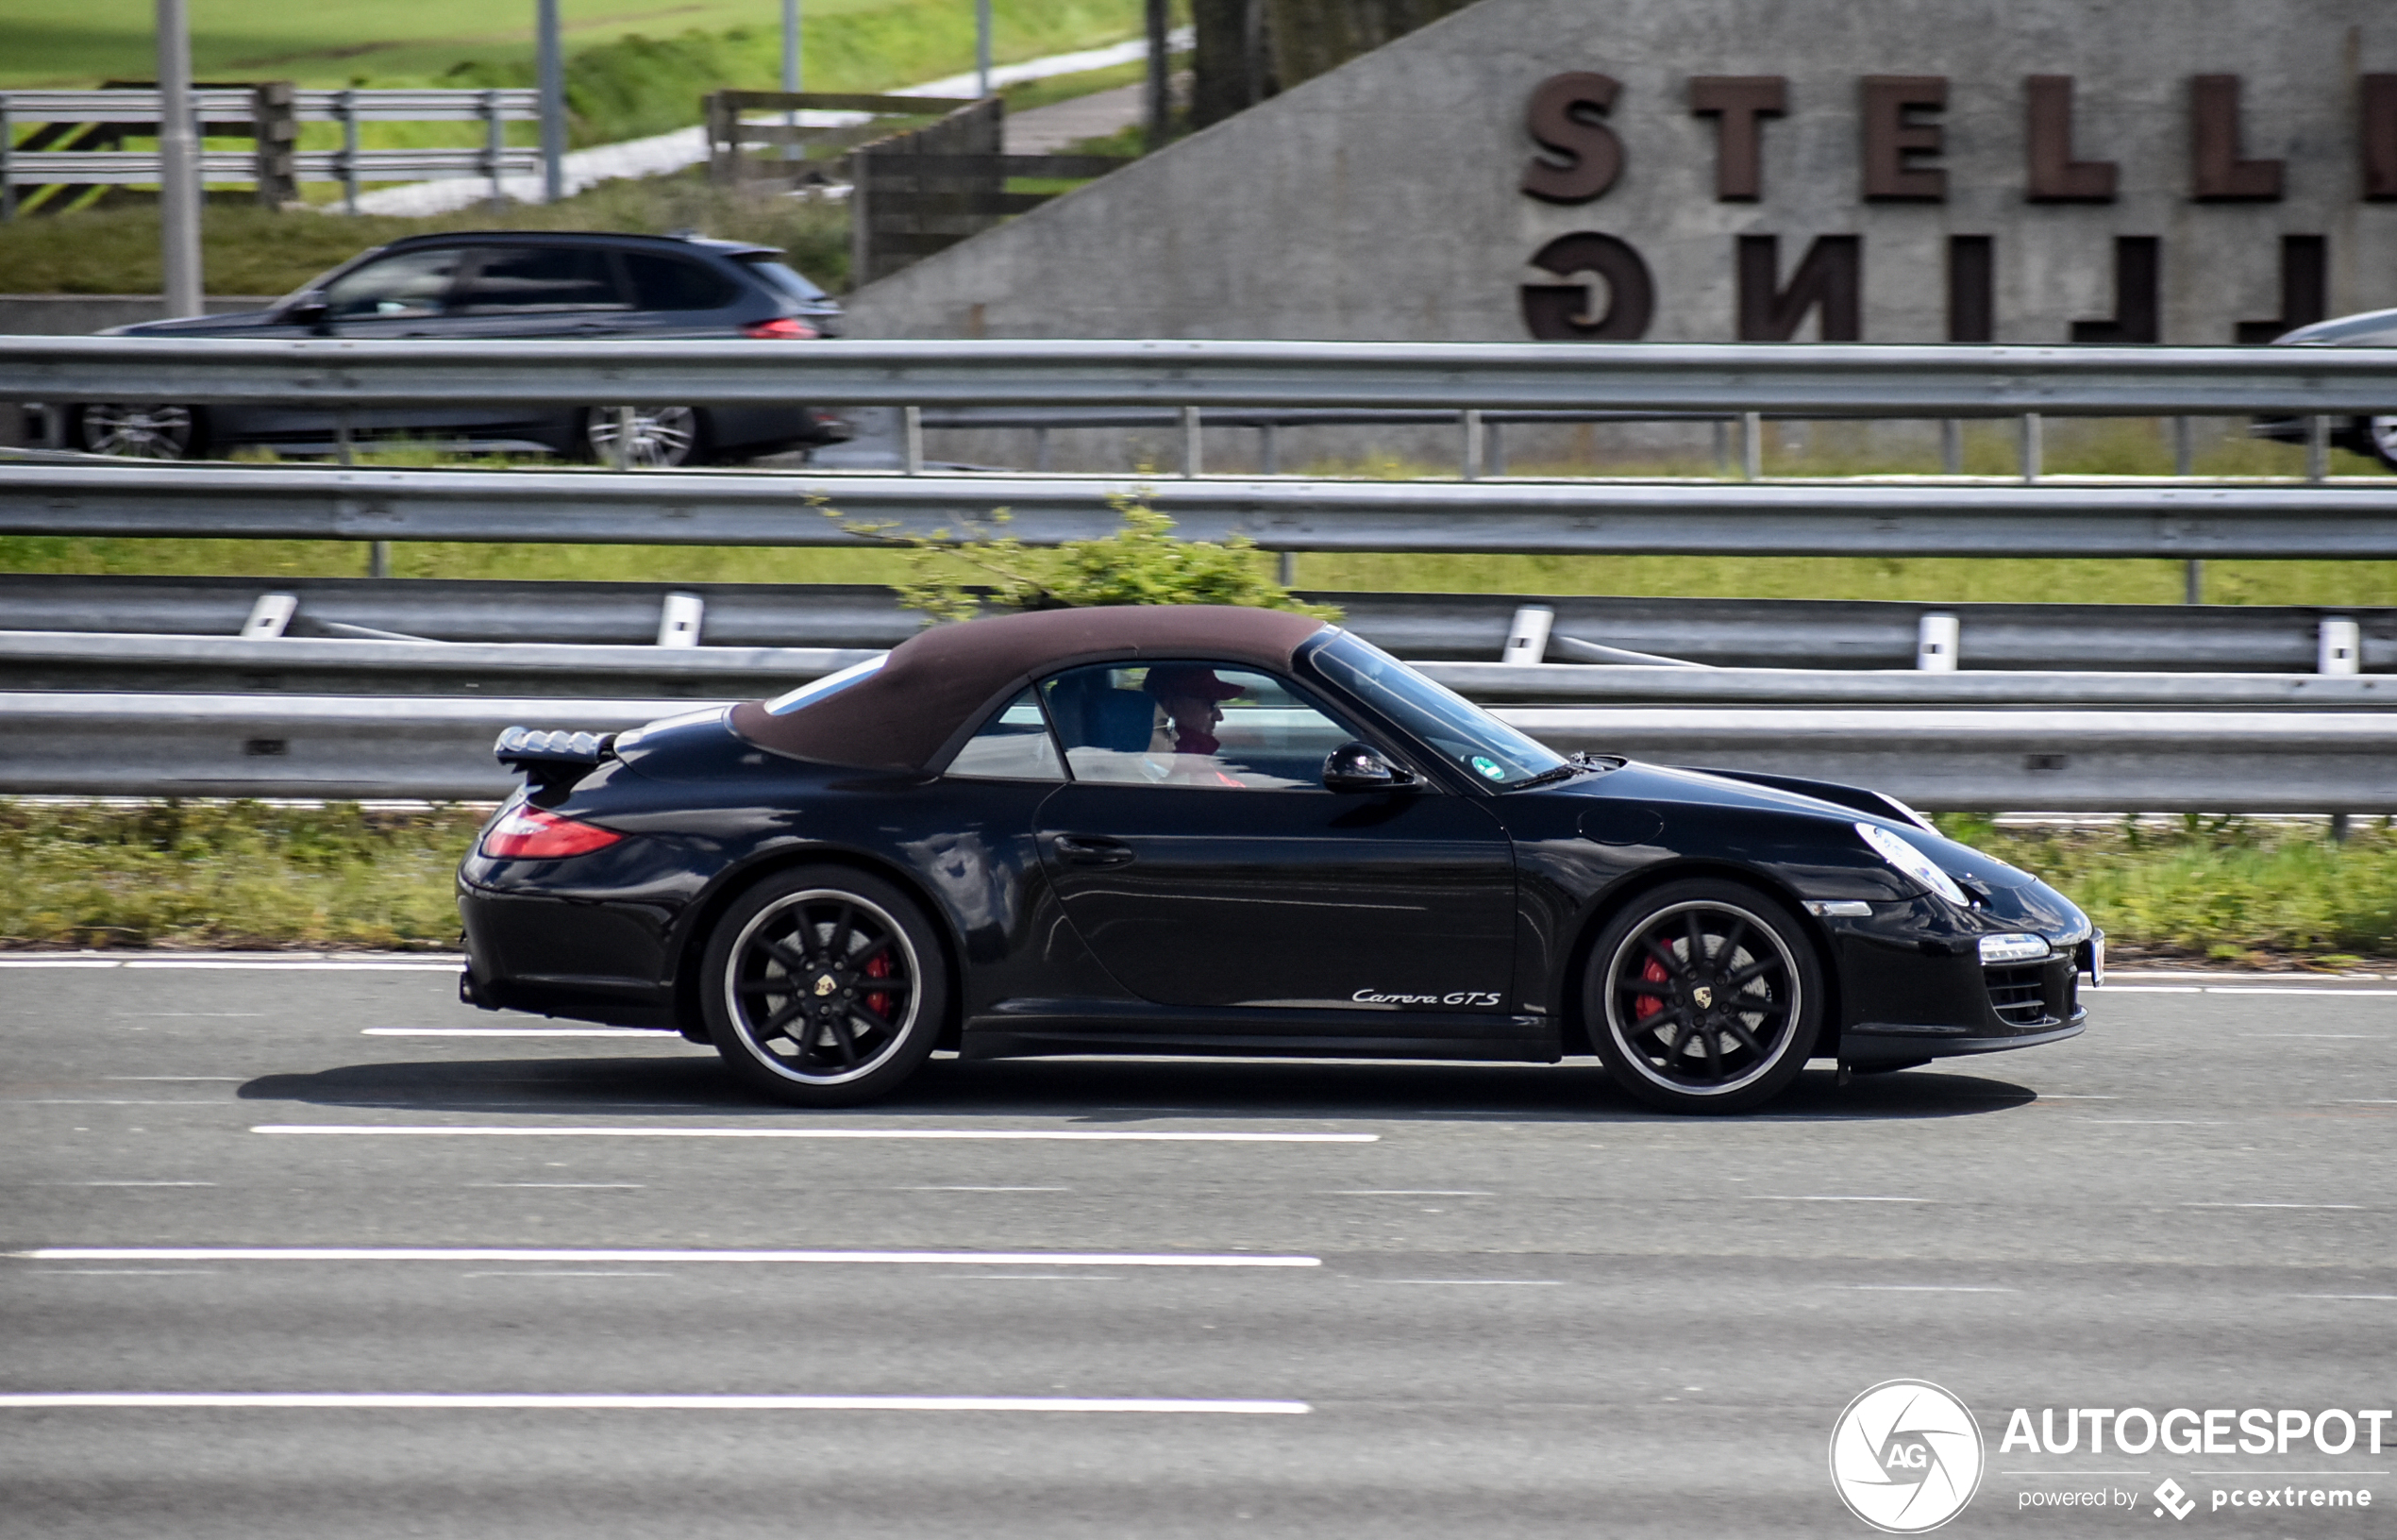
x: 1912, y: 986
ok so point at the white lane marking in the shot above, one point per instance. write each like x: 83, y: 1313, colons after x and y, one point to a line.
x: 263, y: 967
x: 2153, y: 989
x: 981, y: 1189
x: 135, y: 1184
x: 2271, y: 1205
x: 2255, y: 989
x: 518, y: 1253
x: 2340, y: 1296
x: 2273, y: 1473
x: 59, y: 963
x: 382, y: 1403
x: 129, y: 1272
x: 1812, y: 1197
x: 1925, y: 1288
x: 2176, y: 1122
x: 1483, y: 1283
x: 2078, y: 1472
x: 2342, y: 1036
x: 624, y: 1185
x: 565, y: 1272
x: 1143, y: 1135
x: 2365, y: 1101
x: 1041, y: 1277
x: 2067, y: 1096
x: 517, y: 1031
x: 234, y: 1080
x: 1409, y: 1192
x: 98, y: 1101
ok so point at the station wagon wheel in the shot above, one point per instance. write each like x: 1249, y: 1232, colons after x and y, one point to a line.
x: 1703, y: 996
x: 662, y: 437
x: 137, y: 432
x: 2380, y: 436
x: 824, y: 987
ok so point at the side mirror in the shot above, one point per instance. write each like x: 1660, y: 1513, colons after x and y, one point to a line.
x: 307, y: 310
x: 1359, y: 767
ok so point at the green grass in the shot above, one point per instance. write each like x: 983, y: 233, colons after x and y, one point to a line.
x: 2227, y: 890
x: 228, y: 873
x: 249, y: 875
x: 248, y: 250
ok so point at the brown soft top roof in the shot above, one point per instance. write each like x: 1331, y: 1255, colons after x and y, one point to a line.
x: 938, y: 682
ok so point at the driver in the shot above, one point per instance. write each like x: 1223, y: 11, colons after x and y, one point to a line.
x: 1187, y: 695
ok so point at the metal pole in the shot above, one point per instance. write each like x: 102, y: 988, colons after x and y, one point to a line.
x: 1473, y: 444
x: 179, y: 163
x: 2317, y: 447
x: 620, y: 454
x: 794, y: 150
x: 1752, y: 445
x: 1268, y: 453
x: 1951, y: 446
x: 1160, y: 106
x: 982, y: 48
x: 7, y: 187
x: 1497, y: 466
x: 911, y: 438
x: 553, y: 105
x: 2033, y: 448
x: 1190, y: 461
x: 2184, y: 448
x: 2193, y: 580
x: 494, y: 143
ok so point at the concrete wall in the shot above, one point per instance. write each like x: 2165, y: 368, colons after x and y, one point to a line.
x: 1383, y: 200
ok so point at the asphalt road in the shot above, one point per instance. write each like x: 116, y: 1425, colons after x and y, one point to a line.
x: 1503, y: 1301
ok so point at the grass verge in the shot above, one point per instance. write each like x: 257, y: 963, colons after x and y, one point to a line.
x: 250, y: 874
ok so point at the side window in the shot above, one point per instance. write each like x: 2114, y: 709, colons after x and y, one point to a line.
x: 671, y: 283
x: 1204, y: 725
x: 414, y: 283
x: 1012, y: 746
x: 522, y: 281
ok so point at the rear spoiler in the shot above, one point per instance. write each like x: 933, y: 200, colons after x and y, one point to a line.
x: 1880, y: 804
x: 552, y: 760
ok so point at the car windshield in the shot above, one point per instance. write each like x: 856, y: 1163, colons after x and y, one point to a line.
x: 783, y: 277
x: 1472, y: 739
x: 831, y: 685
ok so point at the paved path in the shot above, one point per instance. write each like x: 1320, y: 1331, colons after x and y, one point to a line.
x: 1379, y: 1300
x: 662, y: 153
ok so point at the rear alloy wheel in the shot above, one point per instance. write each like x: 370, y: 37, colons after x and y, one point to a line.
x: 662, y: 438
x: 2380, y: 436
x: 1703, y: 996
x: 824, y: 987
x: 137, y: 432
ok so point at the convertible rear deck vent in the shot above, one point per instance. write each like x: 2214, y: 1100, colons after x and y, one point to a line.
x: 2019, y: 994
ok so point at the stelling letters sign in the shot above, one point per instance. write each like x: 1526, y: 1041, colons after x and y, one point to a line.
x: 1901, y: 140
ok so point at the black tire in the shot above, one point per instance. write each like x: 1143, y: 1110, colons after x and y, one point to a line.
x: 138, y: 430
x: 664, y: 438
x: 846, y: 958
x: 1724, y: 1037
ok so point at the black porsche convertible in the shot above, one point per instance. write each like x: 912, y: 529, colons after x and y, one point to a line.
x: 1198, y: 829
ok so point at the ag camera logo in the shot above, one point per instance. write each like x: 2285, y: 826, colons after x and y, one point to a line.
x: 1905, y: 1456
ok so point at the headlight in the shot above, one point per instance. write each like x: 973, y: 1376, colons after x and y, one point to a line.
x: 2018, y: 948
x: 1904, y: 857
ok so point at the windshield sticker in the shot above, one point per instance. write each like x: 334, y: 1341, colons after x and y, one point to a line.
x: 1490, y: 767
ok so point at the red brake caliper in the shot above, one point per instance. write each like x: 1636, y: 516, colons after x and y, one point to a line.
x: 879, y: 1001
x: 1645, y: 1006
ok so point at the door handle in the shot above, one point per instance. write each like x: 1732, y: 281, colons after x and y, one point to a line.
x: 1092, y: 851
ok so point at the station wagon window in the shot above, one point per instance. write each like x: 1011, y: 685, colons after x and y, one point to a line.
x: 673, y: 283
x: 1189, y: 723
x: 410, y: 284
x: 533, y: 280
x: 1012, y: 746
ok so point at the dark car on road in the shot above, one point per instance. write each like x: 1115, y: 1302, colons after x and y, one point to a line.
x: 2374, y: 434
x: 496, y: 285
x: 1186, y: 829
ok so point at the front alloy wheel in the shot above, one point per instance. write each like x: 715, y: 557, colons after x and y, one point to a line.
x: 661, y: 437
x: 137, y: 432
x: 824, y: 987
x: 1702, y: 997
x: 2380, y: 436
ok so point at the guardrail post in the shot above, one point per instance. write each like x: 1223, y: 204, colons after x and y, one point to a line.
x: 1040, y: 449
x: 1190, y: 448
x: 1269, y: 451
x: 1472, y: 466
x: 269, y: 613
x: 7, y: 187
x: 2033, y: 448
x: 1497, y: 444
x: 678, y: 620
x: 620, y: 453
x: 1526, y: 635
x: 494, y: 146
x: 912, y: 440
x: 2184, y: 448
x: 1752, y: 445
x: 2193, y: 580
x: 2339, y: 647
x: 2317, y: 447
x: 1951, y: 446
x: 346, y: 104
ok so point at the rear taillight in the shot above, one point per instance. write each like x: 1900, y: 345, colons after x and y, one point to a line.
x: 524, y: 833
x: 781, y: 326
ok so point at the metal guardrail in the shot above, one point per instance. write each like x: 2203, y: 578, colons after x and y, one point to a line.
x: 144, y: 744
x: 105, y: 660
x: 1893, y: 518
x: 1825, y: 381
x: 1724, y: 633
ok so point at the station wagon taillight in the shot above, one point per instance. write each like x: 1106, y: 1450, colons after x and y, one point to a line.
x: 781, y: 326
